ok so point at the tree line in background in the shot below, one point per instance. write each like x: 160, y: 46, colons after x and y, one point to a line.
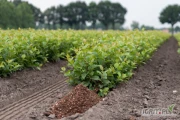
x: 75, y: 15
x: 136, y: 25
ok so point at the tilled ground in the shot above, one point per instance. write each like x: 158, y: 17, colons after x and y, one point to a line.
x: 152, y: 86
x: 23, y: 92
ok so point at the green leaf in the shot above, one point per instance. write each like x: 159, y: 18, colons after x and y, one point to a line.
x: 23, y: 56
x: 116, y: 65
x: 96, y: 78
x: 101, y: 68
x: 83, y: 76
x: 63, y: 68
x: 38, y: 68
x: 106, y: 82
x: 104, y: 75
x: 87, y: 83
x: 9, y: 61
x: 124, y: 76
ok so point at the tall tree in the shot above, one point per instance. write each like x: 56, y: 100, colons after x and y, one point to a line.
x: 25, y: 16
x: 17, y: 2
x: 170, y: 15
x: 70, y: 15
x: 104, y: 13
x: 60, y: 15
x: 51, y: 17
x: 82, y: 15
x: 93, y: 15
x: 37, y: 14
x: 35, y: 11
x: 76, y: 13
x: 8, y: 15
x: 117, y: 14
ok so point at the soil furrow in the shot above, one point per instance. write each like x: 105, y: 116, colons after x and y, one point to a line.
x: 18, y: 108
x: 26, y: 82
x: 18, y: 112
x: 11, y: 106
x: 24, y: 100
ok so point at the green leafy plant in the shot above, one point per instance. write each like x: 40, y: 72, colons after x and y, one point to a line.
x: 111, y: 58
x: 98, y: 59
x: 177, y: 36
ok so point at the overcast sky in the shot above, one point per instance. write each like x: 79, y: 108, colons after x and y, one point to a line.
x: 144, y: 11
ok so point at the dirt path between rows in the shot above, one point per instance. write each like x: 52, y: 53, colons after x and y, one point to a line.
x: 152, y: 86
x: 24, y: 90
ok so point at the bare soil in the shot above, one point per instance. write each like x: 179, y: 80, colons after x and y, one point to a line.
x: 23, y: 90
x: 152, y: 86
x: 25, y: 82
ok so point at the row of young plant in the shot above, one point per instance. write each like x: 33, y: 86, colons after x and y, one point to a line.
x: 111, y: 58
x: 31, y: 48
x: 177, y: 36
x: 99, y: 59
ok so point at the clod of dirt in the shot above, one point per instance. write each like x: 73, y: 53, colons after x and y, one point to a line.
x: 147, y: 97
x: 77, y: 101
x: 52, y: 116
x: 135, y: 113
x: 72, y: 117
x: 145, y: 103
x: 137, y: 81
x: 59, y: 96
x: 159, y: 78
x: 174, y: 91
